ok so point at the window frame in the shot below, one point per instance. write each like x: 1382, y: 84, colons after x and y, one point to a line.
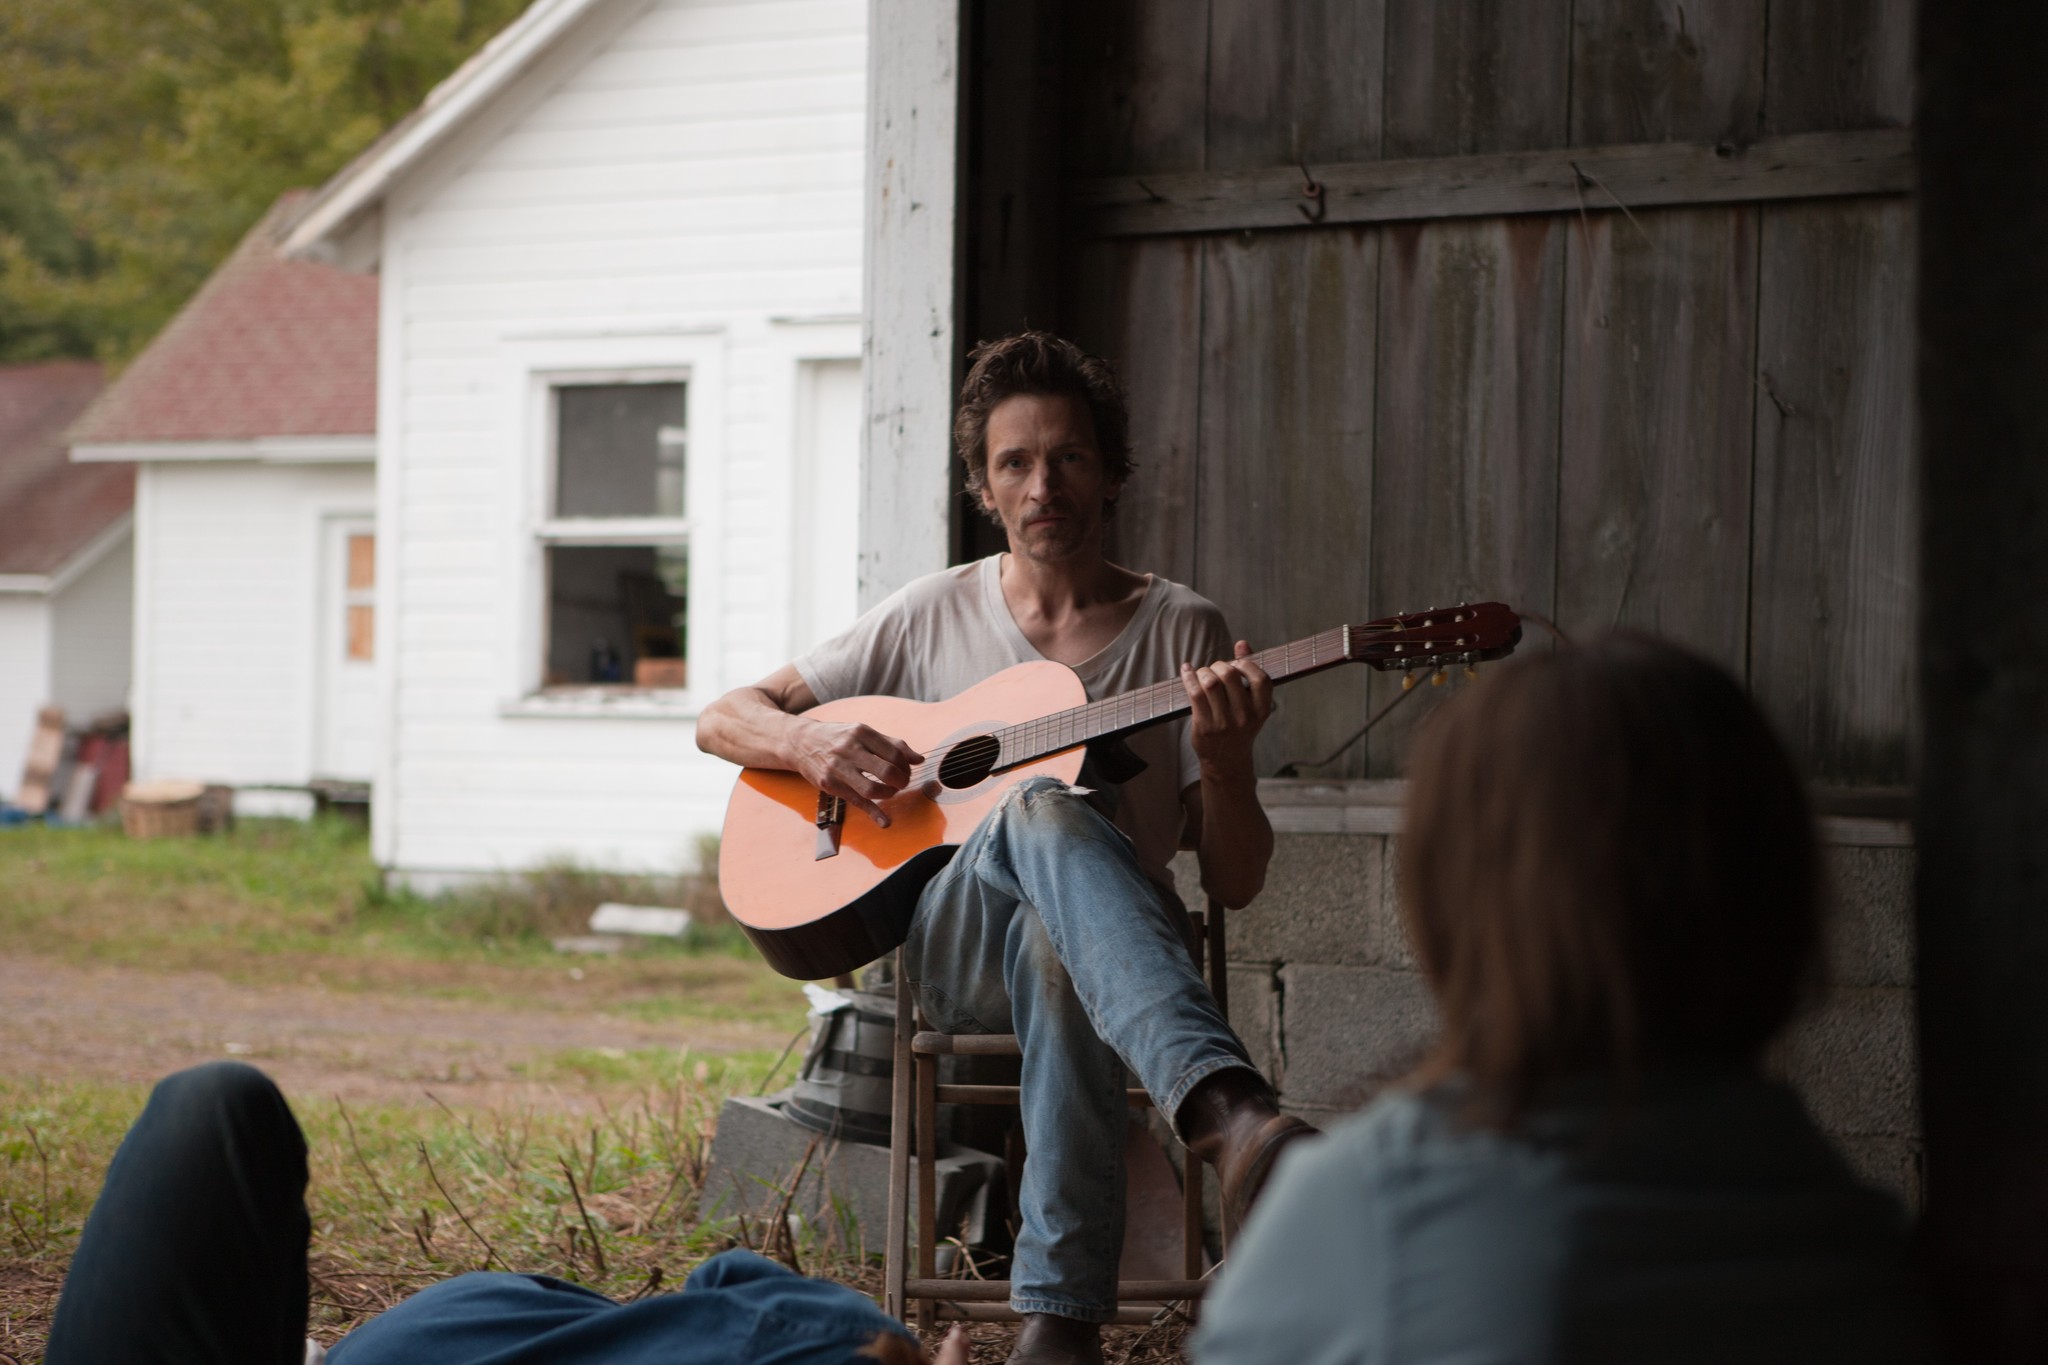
x: 539, y: 368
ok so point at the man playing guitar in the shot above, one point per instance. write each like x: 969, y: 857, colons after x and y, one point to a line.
x: 1051, y: 920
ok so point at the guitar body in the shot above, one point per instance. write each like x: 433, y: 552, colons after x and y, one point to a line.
x: 814, y: 916
x: 820, y: 888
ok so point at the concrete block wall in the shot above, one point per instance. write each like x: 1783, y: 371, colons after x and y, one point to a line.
x: 1325, y: 991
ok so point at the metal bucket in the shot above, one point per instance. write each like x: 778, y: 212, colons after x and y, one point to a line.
x: 843, y: 1089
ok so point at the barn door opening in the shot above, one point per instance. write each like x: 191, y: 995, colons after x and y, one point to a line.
x: 345, y: 736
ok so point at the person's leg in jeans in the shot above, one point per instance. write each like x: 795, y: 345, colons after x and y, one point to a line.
x: 1043, y: 925
x: 196, y: 1249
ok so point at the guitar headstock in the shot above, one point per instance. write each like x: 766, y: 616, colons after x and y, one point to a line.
x: 1469, y: 633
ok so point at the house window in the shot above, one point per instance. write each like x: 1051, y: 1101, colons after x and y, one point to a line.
x: 617, y: 538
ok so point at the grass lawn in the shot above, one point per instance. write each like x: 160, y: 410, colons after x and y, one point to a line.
x: 285, y: 901
x: 400, y: 1198
x: 402, y: 1194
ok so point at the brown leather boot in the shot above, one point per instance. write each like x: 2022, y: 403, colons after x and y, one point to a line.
x: 1232, y: 1121
x: 1048, y: 1339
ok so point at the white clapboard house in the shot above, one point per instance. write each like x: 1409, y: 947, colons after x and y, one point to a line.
x: 64, y: 556
x: 250, y: 422
x: 618, y: 257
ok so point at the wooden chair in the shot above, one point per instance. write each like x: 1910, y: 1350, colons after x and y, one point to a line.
x: 917, y: 1092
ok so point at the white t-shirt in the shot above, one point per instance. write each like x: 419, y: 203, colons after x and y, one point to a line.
x: 945, y: 632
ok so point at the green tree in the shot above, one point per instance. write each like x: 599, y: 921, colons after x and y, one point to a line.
x: 139, y: 139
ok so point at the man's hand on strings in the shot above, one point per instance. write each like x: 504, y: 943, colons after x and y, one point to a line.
x: 1227, y: 702
x: 857, y: 762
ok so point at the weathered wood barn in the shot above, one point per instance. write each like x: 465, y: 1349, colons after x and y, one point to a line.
x: 1603, y: 308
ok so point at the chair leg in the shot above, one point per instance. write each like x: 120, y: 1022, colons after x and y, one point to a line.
x: 926, y: 1070
x: 896, y: 1260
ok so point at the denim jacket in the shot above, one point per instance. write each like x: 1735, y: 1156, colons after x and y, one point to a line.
x: 1709, y: 1221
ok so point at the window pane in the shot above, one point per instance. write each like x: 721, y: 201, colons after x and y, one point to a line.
x: 362, y: 562
x: 619, y: 450
x: 611, y: 606
x: 362, y: 633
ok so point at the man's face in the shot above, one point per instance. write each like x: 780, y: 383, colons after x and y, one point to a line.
x: 1046, y: 481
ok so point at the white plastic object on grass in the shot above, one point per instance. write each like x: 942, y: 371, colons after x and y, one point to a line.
x: 653, y: 921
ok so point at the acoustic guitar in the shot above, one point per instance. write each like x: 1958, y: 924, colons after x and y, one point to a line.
x: 820, y: 894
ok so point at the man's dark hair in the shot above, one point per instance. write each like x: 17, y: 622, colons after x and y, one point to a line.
x: 1043, y: 365
x: 1608, y: 870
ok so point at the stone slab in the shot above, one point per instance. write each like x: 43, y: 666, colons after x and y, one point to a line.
x: 844, y: 1191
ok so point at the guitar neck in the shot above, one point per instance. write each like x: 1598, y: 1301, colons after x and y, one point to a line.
x: 1161, y: 702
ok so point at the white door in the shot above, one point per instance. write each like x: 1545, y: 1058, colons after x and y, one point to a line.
x: 346, y: 735
x: 824, y: 576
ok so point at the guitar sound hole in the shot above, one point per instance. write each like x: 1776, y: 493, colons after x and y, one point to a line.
x: 969, y: 761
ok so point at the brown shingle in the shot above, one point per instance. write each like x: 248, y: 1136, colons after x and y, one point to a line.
x: 50, y: 509
x: 267, y: 347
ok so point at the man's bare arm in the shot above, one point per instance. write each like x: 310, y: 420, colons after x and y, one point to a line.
x: 763, y: 726
x: 1228, y: 701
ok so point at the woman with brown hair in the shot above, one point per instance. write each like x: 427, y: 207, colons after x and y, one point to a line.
x: 1609, y: 876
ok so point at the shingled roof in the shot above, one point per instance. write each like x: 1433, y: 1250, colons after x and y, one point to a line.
x: 50, y: 508
x: 269, y: 346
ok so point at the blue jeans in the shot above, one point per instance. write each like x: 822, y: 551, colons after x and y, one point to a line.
x: 1043, y: 925
x: 735, y: 1309
x: 195, y: 1251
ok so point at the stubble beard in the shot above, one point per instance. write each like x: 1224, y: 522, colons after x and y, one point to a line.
x: 1055, y: 544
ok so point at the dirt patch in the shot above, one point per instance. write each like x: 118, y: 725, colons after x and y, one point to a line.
x: 126, y: 1024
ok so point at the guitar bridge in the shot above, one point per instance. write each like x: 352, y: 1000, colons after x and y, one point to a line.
x: 831, y: 821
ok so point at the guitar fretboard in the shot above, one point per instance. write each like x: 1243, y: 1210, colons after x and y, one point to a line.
x: 1035, y: 739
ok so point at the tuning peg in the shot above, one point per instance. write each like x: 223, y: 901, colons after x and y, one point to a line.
x: 1438, y: 678
x: 1407, y: 681
x: 1470, y: 671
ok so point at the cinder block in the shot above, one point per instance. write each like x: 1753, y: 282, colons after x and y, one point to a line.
x: 1870, y: 916
x: 1321, y: 903
x: 1891, y: 1164
x: 1322, y: 1116
x: 1396, y: 950
x: 1255, y: 1014
x: 1347, y: 1031
x: 1855, y: 1060
x: 757, y: 1151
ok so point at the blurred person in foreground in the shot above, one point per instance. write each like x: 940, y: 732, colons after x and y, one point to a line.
x: 1610, y: 879
x: 195, y: 1254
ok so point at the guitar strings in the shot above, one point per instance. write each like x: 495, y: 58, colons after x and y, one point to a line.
x: 1048, y: 734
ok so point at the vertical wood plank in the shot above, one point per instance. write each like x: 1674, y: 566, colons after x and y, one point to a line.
x: 1840, y: 64
x: 1833, y: 596
x: 1654, y: 471
x: 1139, y: 303
x: 1299, y: 81
x: 1465, y: 482
x: 1285, y: 507
x: 1833, y: 585
x: 1666, y: 70
x: 1140, y: 75
x: 1465, y: 462
x: 1471, y: 76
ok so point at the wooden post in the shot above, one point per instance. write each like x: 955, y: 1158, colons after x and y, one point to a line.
x: 910, y: 308
x: 896, y: 1254
x: 1983, y: 799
